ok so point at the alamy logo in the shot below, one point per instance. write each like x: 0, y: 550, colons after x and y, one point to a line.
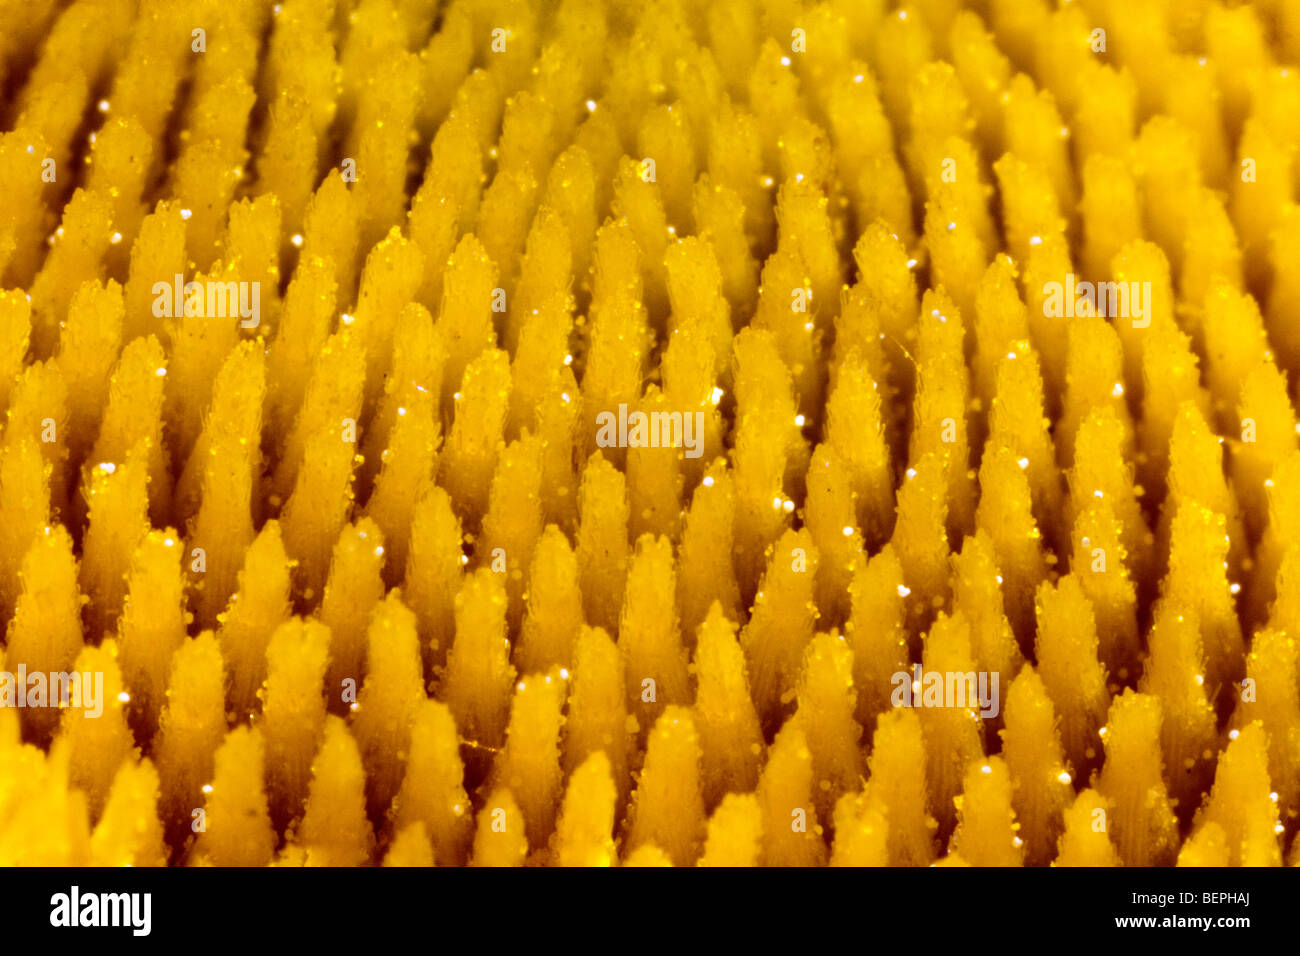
x: 651, y: 430
x: 212, y: 299
x: 55, y: 689
x: 1127, y: 300
x: 133, y: 910
x: 964, y: 689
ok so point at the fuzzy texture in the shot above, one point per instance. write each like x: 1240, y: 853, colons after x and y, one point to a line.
x: 367, y: 573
